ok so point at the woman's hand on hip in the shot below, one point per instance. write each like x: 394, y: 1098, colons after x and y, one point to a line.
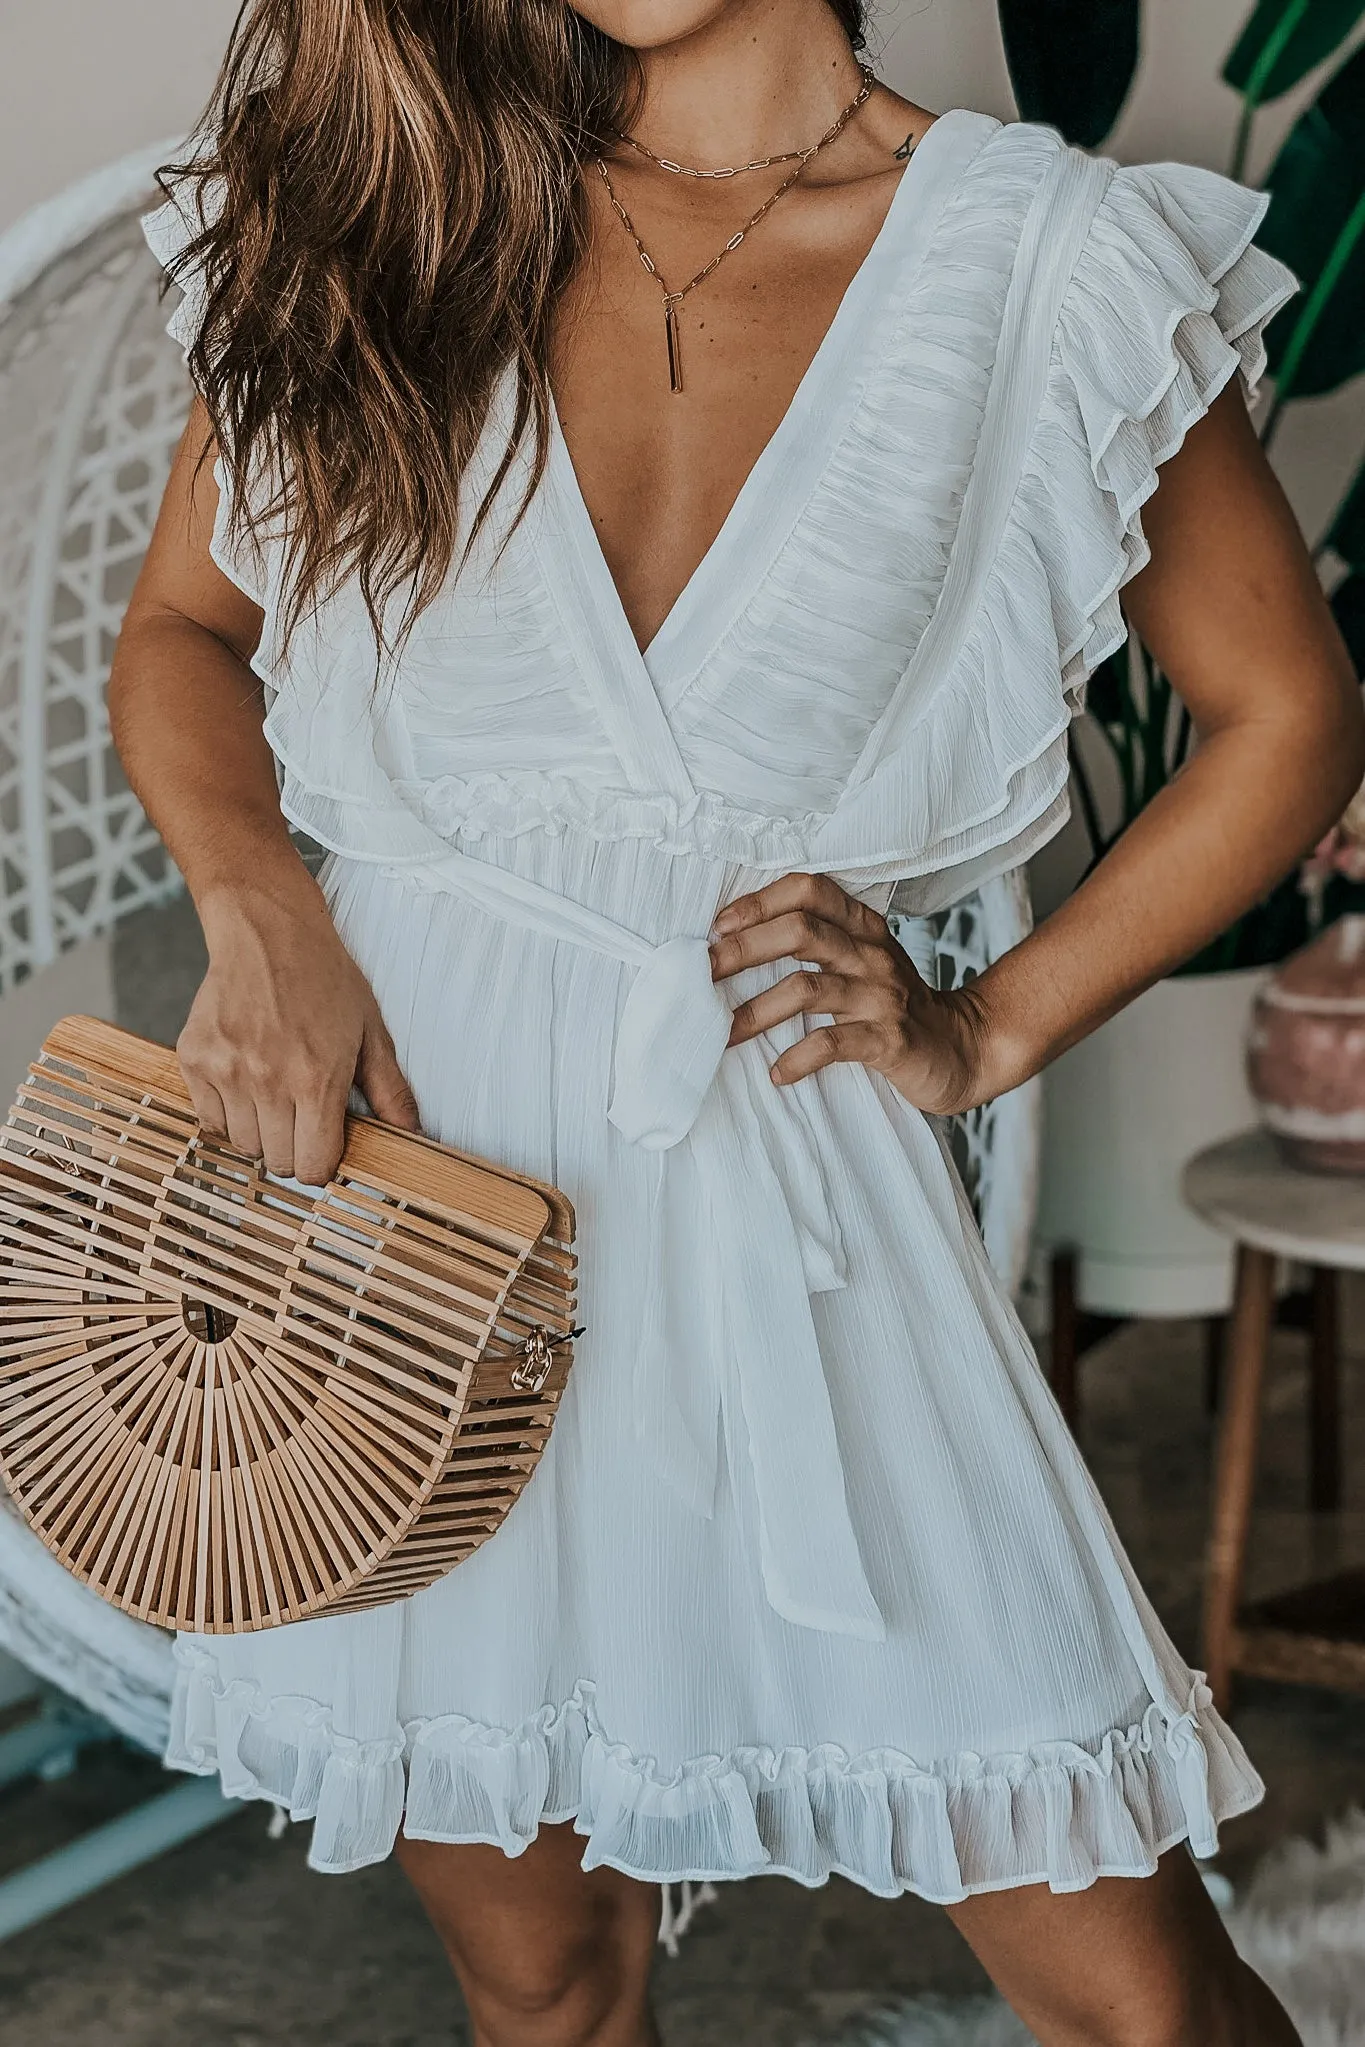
x: 931, y: 1047
x: 281, y: 1028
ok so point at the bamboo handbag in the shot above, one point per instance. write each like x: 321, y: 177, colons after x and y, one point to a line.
x: 226, y: 1403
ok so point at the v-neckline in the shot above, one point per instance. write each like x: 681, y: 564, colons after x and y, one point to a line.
x: 776, y: 488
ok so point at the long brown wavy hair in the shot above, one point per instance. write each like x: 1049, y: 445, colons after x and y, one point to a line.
x: 391, y: 206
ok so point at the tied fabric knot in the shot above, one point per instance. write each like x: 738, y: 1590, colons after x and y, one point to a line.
x: 675, y: 1025
x: 673, y: 1033
x: 773, y: 1236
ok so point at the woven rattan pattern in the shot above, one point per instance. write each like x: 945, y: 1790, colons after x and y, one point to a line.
x: 226, y: 1403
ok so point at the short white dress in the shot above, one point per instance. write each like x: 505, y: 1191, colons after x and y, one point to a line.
x: 812, y: 1577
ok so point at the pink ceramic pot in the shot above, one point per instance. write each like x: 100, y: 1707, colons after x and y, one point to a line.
x: 1306, y: 1051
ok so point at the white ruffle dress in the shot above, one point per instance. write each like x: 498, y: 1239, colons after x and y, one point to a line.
x: 811, y: 1577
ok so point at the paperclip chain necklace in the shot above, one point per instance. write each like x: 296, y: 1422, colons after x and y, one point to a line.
x: 673, y: 299
x: 687, y: 170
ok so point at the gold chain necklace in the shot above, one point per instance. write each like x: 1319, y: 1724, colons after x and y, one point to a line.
x: 673, y: 299
x: 685, y: 170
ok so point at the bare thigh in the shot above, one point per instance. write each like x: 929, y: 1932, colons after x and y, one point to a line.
x: 1131, y: 1962
x: 547, y: 1955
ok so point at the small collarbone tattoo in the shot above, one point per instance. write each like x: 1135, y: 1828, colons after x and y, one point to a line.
x: 906, y: 150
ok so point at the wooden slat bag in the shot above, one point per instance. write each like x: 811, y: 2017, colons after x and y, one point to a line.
x: 226, y: 1403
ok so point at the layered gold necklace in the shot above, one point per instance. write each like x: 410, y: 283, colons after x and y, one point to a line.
x: 799, y: 157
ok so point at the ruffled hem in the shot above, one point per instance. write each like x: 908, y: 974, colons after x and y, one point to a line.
x: 1062, y: 1813
x: 461, y: 811
x: 500, y: 806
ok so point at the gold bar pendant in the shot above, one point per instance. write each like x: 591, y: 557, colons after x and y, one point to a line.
x: 675, y: 375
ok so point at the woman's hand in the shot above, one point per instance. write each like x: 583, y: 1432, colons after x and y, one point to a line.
x: 931, y: 1047
x: 283, y: 1025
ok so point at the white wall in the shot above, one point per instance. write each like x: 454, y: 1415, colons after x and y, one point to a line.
x: 84, y: 81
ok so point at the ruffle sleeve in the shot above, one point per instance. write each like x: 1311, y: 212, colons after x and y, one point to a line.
x: 240, y: 544
x: 329, y: 723
x: 335, y: 730
x: 1167, y: 300
x: 190, y: 206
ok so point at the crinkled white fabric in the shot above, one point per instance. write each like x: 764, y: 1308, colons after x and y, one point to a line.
x: 811, y: 1576
x: 902, y: 749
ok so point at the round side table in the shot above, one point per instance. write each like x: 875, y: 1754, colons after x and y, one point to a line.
x: 1272, y: 1211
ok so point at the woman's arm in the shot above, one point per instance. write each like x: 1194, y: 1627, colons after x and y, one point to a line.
x: 1231, y: 608
x: 284, y: 1021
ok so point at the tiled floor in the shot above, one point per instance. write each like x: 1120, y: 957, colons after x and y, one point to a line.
x: 232, y: 1943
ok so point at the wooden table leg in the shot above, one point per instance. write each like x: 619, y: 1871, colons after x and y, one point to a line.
x: 1065, y: 1350
x: 1324, y: 1418
x: 1235, y: 1462
x: 1215, y: 1335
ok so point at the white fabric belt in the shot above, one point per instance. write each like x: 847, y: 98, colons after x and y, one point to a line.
x: 775, y: 1240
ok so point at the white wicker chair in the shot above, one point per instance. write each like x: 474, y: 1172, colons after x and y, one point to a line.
x: 93, y: 397
x: 92, y: 402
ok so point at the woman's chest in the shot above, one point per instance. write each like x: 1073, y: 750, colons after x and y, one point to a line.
x: 664, y: 417
x: 793, y: 564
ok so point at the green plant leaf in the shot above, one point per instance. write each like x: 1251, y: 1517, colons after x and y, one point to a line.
x: 1106, y: 693
x: 1348, y: 608
x: 1316, y: 224
x: 1072, y: 61
x: 1347, y: 532
x: 1284, y: 40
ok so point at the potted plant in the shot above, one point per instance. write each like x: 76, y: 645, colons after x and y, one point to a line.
x: 1128, y: 1106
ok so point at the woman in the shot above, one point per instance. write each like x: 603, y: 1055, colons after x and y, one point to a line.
x: 613, y: 582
